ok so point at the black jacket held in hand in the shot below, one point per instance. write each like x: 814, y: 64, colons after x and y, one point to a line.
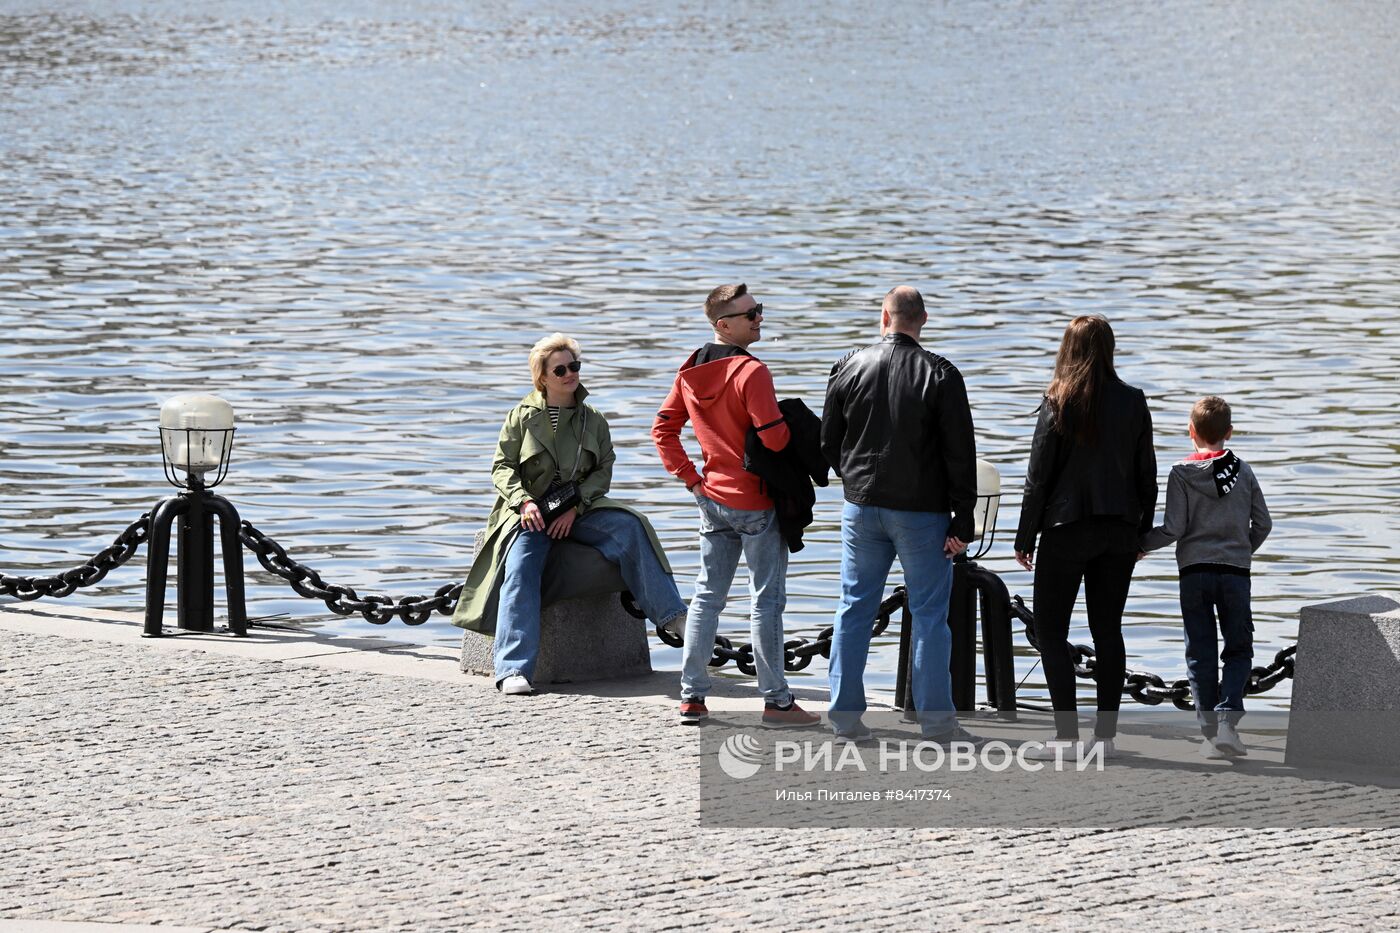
x: 788, y: 474
x: 898, y: 431
x: 1115, y: 476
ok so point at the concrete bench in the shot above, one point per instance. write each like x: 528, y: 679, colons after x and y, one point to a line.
x: 585, y: 634
x: 1346, y: 690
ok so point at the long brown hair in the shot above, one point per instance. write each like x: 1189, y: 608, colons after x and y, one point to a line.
x: 1083, y: 367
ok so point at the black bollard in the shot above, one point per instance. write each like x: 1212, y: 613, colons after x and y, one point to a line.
x: 962, y: 621
x: 196, y: 509
x: 998, y: 661
x: 973, y: 587
x: 194, y: 583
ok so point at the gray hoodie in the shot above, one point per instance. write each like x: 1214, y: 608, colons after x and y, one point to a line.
x: 1215, y: 513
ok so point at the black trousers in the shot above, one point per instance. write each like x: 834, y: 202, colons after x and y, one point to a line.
x: 1100, y: 553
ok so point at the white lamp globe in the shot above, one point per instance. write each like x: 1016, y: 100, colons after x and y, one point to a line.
x: 196, y: 432
x: 988, y: 498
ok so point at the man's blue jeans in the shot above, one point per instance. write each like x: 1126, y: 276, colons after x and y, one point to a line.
x: 620, y: 537
x: 871, y: 537
x: 1204, y: 595
x: 725, y: 533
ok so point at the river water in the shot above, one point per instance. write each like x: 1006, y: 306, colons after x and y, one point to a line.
x: 352, y: 219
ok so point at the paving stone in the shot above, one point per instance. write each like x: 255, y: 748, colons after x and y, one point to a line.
x: 210, y: 791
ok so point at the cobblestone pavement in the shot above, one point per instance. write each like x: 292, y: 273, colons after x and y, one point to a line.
x: 188, y: 788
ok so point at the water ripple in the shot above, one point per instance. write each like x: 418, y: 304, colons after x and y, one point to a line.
x: 353, y: 225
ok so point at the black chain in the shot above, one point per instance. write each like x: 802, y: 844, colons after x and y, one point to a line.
x: 343, y: 600
x: 1143, y: 686
x: 797, y: 652
x: 1150, y: 689
x: 94, y: 569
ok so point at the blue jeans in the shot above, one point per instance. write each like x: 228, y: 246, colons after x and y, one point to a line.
x: 871, y: 537
x: 1204, y: 594
x: 619, y: 537
x: 724, y: 534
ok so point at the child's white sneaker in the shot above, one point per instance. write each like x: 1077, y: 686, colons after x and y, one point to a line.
x: 1210, y: 751
x: 1053, y: 750
x: 1228, y: 740
x: 1109, y: 749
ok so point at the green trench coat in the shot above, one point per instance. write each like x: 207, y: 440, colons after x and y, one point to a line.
x: 527, y: 456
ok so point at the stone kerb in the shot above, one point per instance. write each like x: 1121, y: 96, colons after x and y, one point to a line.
x: 1346, y: 689
x: 582, y: 638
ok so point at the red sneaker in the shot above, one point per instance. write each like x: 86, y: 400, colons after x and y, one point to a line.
x: 693, y: 711
x: 790, y: 715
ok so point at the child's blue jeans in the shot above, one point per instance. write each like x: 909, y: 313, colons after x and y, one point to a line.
x: 1208, y: 595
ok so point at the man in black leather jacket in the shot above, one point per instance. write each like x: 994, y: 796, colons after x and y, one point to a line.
x: 898, y: 430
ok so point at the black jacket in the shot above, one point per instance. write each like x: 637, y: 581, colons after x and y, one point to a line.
x: 898, y: 431
x: 1113, y: 477
x: 788, y: 474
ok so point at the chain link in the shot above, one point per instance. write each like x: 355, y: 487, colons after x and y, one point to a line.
x: 797, y: 652
x: 1143, y: 686
x: 89, y: 572
x: 343, y: 600
x: 1149, y: 688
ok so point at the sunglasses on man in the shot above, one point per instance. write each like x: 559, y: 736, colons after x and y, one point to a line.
x: 752, y: 314
x: 573, y: 367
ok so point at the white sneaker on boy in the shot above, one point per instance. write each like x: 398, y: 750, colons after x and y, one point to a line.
x: 1228, y: 740
x: 1210, y: 751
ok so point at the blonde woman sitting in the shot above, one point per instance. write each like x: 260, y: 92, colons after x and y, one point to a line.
x: 552, y: 470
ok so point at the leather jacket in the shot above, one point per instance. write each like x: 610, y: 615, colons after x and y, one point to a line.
x: 898, y: 431
x: 788, y: 474
x: 1113, y: 477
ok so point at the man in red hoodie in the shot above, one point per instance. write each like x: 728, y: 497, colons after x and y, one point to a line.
x: 724, y: 392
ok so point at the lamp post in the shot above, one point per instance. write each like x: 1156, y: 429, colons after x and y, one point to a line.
x: 196, y: 438
x: 963, y: 601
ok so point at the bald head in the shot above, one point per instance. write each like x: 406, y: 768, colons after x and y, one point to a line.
x: 903, y: 311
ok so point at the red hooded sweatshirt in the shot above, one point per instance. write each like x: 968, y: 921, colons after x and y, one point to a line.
x: 723, y: 391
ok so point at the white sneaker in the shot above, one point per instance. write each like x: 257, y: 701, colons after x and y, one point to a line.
x: 676, y: 627
x: 1109, y: 749
x: 1209, y: 750
x: 516, y: 686
x: 1052, y: 749
x: 1228, y: 740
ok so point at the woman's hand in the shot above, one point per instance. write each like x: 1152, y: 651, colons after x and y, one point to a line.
x: 563, y: 525
x: 530, y: 517
x: 1024, y: 560
x: 953, y: 546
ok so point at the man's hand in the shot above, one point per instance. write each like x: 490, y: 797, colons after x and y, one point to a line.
x: 530, y: 517
x: 953, y: 546
x: 1024, y: 560
x: 563, y: 525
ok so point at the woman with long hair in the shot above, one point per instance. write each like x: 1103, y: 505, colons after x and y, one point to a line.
x: 1091, y: 493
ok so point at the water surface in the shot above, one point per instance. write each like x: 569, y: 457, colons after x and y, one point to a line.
x: 351, y: 220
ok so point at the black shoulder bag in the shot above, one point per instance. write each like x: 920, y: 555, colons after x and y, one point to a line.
x: 564, y: 494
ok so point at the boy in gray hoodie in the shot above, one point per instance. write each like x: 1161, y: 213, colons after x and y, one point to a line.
x: 1217, y: 516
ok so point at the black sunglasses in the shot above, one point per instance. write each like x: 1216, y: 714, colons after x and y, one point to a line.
x: 573, y: 367
x: 752, y: 314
